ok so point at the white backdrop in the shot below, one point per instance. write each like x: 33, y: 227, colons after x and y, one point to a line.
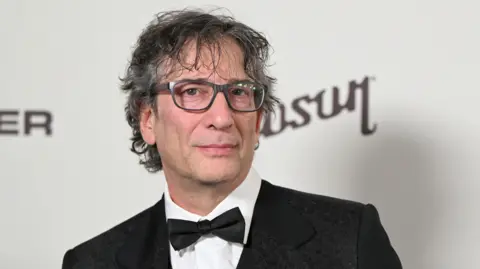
x: 420, y: 167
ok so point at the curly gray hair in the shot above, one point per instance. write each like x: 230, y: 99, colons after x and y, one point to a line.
x: 162, y: 42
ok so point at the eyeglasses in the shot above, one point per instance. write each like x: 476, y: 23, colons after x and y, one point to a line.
x: 197, y: 95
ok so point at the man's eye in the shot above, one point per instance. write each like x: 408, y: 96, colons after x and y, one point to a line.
x: 191, y: 91
x: 238, y: 91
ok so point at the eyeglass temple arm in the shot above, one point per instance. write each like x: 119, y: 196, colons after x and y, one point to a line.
x: 161, y: 87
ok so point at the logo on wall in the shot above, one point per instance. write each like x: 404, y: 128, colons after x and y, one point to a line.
x: 15, y: 122
x: 297, y: 106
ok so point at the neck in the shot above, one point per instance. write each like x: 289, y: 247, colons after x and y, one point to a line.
x: 198, y: 197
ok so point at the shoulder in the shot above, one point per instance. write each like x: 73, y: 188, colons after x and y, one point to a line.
x: 350, y: 228
x: 104, y: 246
x: 309, y: 202
x: 323, y: 212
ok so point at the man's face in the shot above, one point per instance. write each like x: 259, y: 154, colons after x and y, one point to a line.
x: 211, y: 146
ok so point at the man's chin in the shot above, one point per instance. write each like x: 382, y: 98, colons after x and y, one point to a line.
x: 217, y: 171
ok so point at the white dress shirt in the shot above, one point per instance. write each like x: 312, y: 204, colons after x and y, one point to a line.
x: 211, y: 252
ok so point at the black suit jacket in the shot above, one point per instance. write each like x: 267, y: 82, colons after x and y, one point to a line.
x: 290, y: 229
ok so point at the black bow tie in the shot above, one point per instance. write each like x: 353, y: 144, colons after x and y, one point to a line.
x: 229, y: 226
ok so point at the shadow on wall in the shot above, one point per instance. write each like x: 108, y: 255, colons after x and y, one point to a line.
x: 397, y: 171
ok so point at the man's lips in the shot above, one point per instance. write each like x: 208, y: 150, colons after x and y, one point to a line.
x: 219, y: 146
x: 218, y: 149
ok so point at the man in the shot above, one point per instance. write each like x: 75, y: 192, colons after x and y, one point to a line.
x: 198, y: 89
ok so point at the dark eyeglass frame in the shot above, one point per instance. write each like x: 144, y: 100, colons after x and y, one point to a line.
x: 217, y: 88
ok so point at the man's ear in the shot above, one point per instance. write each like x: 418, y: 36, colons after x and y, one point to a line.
x: 258, y: 124
x: 147, y: 122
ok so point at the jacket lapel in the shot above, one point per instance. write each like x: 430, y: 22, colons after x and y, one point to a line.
x: 277, y: 232
x: 147, y: 247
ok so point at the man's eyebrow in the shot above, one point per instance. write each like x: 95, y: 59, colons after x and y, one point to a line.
x: 235, y: 80
x: 231, y: 80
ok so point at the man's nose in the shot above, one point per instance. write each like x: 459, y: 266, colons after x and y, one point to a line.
x: 220, y: 115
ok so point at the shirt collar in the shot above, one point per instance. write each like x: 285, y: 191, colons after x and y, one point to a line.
x: 243, y: 197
